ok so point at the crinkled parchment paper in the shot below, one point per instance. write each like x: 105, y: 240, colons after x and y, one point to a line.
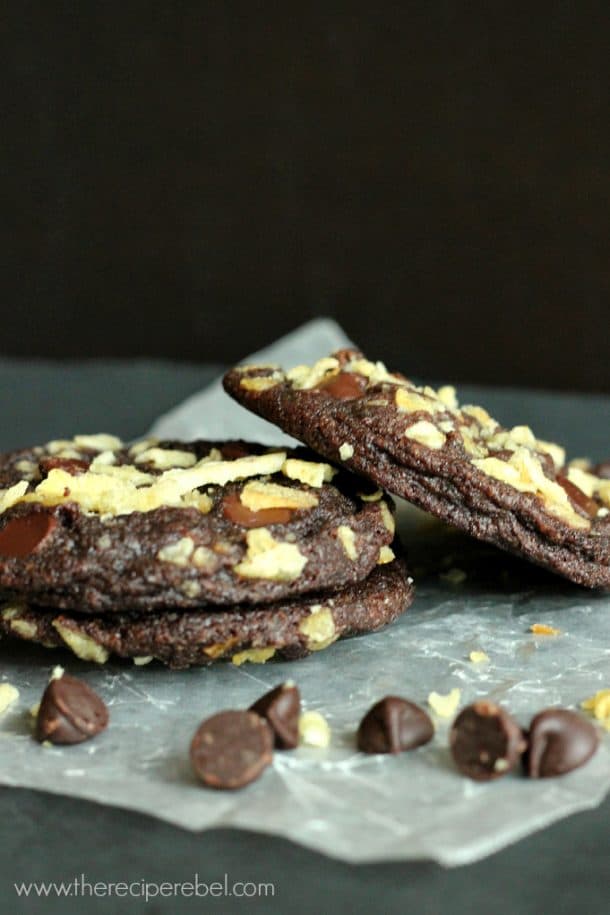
x: 338, y: 801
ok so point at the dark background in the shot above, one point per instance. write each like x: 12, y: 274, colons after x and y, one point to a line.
x: 189, y: 180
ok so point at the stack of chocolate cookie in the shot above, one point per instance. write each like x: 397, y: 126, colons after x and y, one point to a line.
x: 191, y: 553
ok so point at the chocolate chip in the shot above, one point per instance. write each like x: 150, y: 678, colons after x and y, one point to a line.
x: 21, y: 536
x: 231, y: 749
x: 70, y: 712
x: 394, y: 725
x: 281, y: 707
x: 559, y: 741
x: 485, y: 741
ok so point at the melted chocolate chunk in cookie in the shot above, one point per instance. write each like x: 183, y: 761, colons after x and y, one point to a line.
x: 22, y: 536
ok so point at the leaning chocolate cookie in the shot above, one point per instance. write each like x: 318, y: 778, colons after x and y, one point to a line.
x: 289, y: 629
x: 95, y: 526
x: 501, y: 485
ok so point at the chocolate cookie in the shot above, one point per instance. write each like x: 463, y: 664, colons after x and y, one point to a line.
x: 289, y: 629
x: 93, y: 526
x: 500, y: 485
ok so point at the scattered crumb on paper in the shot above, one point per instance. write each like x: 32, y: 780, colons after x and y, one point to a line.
x: 543, y: 629
x: 478, y: 657
x: 445, y: 706
x: 8, y: 695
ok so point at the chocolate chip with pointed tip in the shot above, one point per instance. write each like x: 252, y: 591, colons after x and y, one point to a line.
x: 394, y: 725
x: 559, y: 741
x: 70, y: 712
x: 281, y: 707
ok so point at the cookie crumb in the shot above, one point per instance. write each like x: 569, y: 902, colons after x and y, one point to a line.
x: 478, y: 657
x: 599, y: 706
x: 314, y: 730
x: 445, y: 706
x: 543, y: 629
x: 8, y: 695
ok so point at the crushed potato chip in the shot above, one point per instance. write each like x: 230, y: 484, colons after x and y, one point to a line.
x: 445, y: 706
x: 543, y: 629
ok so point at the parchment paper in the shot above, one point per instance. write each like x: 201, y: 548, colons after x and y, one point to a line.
x: 338, y: 801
